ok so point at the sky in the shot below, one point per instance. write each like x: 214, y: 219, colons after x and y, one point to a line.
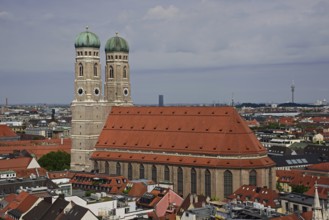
x: 195, y: 51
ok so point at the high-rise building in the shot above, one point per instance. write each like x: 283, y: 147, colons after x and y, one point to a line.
x: 161, y: 101
x: 293, y: 92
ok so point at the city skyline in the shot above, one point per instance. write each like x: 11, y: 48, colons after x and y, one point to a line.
x: 196, y: 53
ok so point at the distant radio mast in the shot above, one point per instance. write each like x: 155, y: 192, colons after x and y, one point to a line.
x: 293, y: 92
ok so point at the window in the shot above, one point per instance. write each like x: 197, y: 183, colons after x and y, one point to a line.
x: 118, y: 167
x: 180, y: 181
x: 111, y: 72
x: 228, y: 183
x: 207, y: 183
x: 95, y: 165
x: 193, y: 180
x: 154, y: 173
x: 130, y: 171
x: 80, y: 69
x: 107, y: 168
x: 253, y: 178
x: 141, y: 171
x: 166, y: 174
x: 125, y: 72
x: 95, y: 69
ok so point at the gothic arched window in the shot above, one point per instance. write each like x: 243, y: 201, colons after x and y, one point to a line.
x: 118, y: 168
x: 207, y: 183
x: 107, y: 168
x: 193, y: 180
x: 125, y: 72
x: 228, y: 183
x: 180, y: 181
x: 154, y: 174
x: 166, y: 174
x: 130, y: 171
x: 80, y: 69
x: 95, y: 69
x: 111, y: 72
x: 141, y: 171
x: 253, y: 178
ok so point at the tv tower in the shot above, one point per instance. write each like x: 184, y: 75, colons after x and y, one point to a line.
x: 293, y: 92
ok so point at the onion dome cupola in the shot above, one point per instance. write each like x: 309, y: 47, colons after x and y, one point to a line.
x: 116, y: 44
x: 87, y: 39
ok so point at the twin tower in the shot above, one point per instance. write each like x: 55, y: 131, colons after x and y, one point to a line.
x: 91, y: 105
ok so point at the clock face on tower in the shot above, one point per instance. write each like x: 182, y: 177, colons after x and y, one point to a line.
x: 96, y: 91
x: 125, y: 92
x: 80, y: 91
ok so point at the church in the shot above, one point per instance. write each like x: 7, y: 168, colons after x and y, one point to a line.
x: 203, y: 150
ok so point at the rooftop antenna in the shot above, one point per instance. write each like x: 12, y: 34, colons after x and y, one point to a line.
x: 232, y: 100
x: 293, y: 92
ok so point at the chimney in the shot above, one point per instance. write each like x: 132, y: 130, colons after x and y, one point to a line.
x: 191, y: 199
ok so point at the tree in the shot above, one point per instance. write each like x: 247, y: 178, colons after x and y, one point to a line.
x: 299, y: 188
x: 55, y: 161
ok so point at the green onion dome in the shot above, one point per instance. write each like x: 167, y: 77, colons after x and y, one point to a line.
x: 87, y: 39
x: 117, y: 44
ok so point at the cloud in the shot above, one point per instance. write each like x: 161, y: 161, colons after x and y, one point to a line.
x: 161, y: 13
x: 4, y: 15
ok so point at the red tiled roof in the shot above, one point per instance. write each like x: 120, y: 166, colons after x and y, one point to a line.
x: 211, y: 130
x: 6, y: 131
x: 322, y: 191
x: 16, y: 163
x: 27, y: 203
x: 265, y: 196
x: 60, y: 174
x: 305, y: 215
x: 15, y: 203
x: 137, y: 189
x: 26, y: 173
x: 38, y: 148
x: 319, y: 167
x: 298, y: 177
x: 116, y: 184
x: 187, y: 130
